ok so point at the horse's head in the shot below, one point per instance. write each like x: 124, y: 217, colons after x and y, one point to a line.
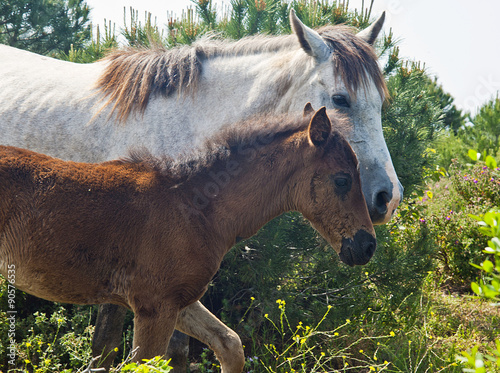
x: 345, y: 75
x: 329, y: 192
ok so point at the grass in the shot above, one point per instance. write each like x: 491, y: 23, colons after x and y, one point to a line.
x: 445, y: 325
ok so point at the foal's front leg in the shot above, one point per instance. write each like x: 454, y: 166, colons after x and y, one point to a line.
x: 198, y: 322
x: 152, y: 332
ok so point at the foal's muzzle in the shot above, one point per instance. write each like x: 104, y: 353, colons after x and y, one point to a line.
x: 358, y: 250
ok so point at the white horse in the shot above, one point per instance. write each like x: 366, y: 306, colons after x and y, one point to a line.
x: 153, y: 98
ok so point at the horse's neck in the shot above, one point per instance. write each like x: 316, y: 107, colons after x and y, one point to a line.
x: 246, y: 85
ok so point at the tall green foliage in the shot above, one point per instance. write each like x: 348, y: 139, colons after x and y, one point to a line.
x: 411, y: 120
x: 43, y: 26
x: 453, y: 119
x: 95, y: 49
x: 489, y: 284
x: 482, y: 132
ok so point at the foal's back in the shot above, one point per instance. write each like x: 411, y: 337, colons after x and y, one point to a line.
x: 47, y: 208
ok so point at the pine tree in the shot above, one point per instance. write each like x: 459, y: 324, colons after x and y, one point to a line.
x: 483, y: 135
x: 44, y: 26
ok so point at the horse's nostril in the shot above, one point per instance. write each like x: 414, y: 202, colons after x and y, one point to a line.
x: 381, y: 201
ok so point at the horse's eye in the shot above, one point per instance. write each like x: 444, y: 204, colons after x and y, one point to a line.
x: 341, y: 101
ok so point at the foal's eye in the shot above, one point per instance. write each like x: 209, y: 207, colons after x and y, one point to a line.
x: 342, y: 182
x: 341, y: 101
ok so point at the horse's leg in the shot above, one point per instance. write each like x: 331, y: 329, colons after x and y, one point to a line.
x: 198, y: 322
x: 177, y: 352
x: 152, y: 332
x: 108, y: 332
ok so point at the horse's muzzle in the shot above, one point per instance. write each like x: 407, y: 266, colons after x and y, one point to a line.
x: 358, y: 250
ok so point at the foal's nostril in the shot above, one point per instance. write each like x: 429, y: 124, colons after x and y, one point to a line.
x: 381, y: 201
x: 364, y: 247
x: 369, y: 248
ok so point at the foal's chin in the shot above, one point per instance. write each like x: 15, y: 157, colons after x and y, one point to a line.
x: 359, y: 249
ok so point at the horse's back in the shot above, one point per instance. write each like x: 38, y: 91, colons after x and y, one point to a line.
x: 46, y: 104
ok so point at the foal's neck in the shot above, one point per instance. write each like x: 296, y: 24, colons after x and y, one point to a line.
x: 252, y: 192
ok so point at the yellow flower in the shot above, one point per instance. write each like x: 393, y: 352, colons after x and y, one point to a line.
x: 348, y: 321
x: 322, y: 353
x: 266, y: 315
x: 252, y: 299
x: 28, y: 344
x: 26, y: 361
x: 116, y: 349
x: 336, y: 334
x: 361, y: 351
x: 372, y: 369
x: 392, y: 334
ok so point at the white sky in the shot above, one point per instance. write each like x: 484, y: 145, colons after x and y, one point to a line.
x: 458, y: 40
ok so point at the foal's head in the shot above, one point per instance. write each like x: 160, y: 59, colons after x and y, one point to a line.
x: 329, y: 194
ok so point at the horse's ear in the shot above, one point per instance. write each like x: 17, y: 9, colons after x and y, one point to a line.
x: 312, y: 43
x: 308, y: 110
x: 370, y: 33
x: 319, y: 128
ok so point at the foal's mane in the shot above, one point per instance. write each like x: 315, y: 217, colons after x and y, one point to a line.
x: 132, y: 76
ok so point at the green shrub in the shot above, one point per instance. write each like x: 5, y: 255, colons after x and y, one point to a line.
x: 487, y: 287
x: 446, y: 209
x: 56, y: 340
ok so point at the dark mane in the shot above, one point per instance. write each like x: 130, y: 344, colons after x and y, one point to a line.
x: 132, y: 76
x: 354, y: 59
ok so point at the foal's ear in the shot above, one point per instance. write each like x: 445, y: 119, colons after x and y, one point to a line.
x: 319, y: 128
x: 308, y: 110
x: 312, y: 43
